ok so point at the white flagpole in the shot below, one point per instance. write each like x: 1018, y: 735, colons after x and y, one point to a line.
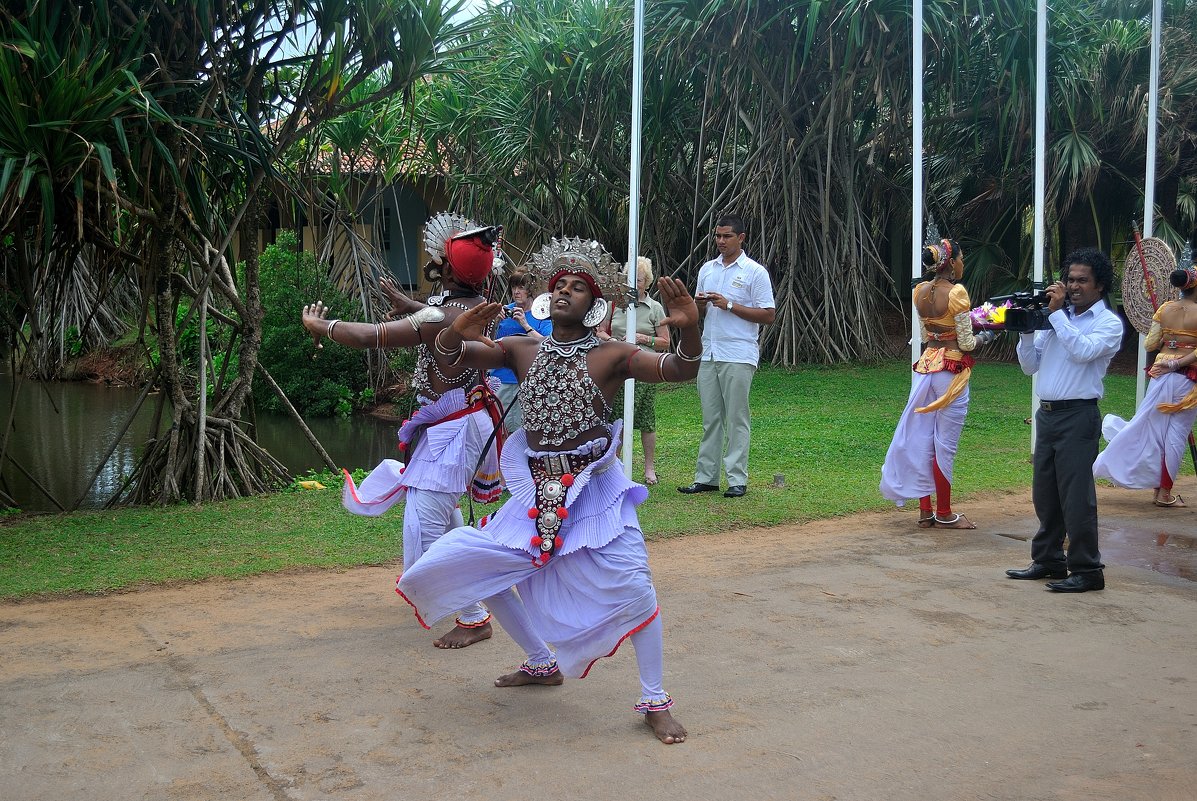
x: 916, y: 157
x: 629, y: 386
x: 1153, y: 106
x: 1040, y: 173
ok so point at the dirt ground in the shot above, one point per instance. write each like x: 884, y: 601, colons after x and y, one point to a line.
x: 858, y: 658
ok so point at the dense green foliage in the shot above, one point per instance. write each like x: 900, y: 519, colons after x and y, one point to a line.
x: 138, y: 142
x: 825, y: 430
x: 798, y: 114
x: 335, y: 381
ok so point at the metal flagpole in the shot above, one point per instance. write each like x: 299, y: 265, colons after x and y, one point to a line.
x: 1153, y: 105
x: 1040, y: 174
x: 629, y: 386
x: 916, y: 190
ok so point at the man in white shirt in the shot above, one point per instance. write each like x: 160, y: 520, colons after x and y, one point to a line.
x: 1071, y: 359
x: 736, y: 297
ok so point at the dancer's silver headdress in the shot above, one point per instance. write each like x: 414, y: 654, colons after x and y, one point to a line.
x: 584, y: 257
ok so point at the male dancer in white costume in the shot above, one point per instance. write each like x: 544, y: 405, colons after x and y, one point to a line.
x: 444, y: 440
x: 569, y: 539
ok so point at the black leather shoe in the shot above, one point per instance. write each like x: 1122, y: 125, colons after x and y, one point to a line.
x: 735, y: 491
x: 1036, y: 571
x: 697, y: 487
x: 1079, y: 582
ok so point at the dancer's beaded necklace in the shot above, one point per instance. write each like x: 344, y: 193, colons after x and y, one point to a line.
x: 558, y: 396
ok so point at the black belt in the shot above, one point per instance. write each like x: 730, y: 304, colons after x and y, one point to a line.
x: 558, y: 464
x: 1060, y: 405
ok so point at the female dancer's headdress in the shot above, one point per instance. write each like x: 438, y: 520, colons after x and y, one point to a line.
x: 941, y: 252
x: 1186, y: 263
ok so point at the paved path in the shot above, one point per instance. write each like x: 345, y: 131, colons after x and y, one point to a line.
x: 858, y: 658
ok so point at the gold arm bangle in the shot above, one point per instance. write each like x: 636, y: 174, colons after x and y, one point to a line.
x: 661, y: 367
x: 329, y: 331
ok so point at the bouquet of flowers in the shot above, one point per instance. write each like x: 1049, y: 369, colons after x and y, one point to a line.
x: 990, y: 317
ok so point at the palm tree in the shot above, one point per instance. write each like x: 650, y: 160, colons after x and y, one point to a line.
x: 797, y: 114
x: 150, y: 132
x: 981, y: 126
x: 756, y: 108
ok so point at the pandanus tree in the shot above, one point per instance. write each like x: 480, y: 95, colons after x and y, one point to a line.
x: 144, y: 137
x: 773, y: 110
x: 348, y: 166
x: 148, y: 135
x: 980, y: 128
x: 798, y: 115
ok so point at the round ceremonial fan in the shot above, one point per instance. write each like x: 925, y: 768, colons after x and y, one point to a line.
x: 1138, y: 285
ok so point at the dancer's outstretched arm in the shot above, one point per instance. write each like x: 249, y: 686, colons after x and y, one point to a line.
x: 683, y: 364
x: 405, y: 333
x: 465, y: 341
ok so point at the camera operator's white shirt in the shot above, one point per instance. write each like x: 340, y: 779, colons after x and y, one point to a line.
x: 726, y: 337
x: 1071, y: 357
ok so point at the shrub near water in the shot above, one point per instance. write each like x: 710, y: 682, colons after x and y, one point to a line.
x: 334, y: 383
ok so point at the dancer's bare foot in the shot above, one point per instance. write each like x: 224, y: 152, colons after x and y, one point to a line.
x: 460, y: 637
x: 666, y: 727
x: 1166, y: 499
x: 926, y: 519
x: 521, y: 678
x: 954, y: 521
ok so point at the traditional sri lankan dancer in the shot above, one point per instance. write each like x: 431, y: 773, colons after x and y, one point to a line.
x: 568, y: 539
x: 447, y: 444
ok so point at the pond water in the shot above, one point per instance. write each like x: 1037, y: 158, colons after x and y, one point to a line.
x: 61, y: 430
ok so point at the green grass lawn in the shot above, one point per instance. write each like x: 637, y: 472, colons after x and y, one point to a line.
x: 824, y: 429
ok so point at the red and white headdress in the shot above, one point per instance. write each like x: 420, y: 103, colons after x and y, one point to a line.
x: 584, y: 258
x: 469, y: 248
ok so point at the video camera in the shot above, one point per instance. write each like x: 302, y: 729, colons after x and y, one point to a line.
x: 1027, y: 312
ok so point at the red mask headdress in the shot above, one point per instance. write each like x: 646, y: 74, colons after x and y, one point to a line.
x: 468, y: 247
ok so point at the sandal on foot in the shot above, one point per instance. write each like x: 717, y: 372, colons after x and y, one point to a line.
x: 927, y: 521
x: 1177, y: 502
x: 956, y: 521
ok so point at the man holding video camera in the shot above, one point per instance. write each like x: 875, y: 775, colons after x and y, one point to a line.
x: 1071, y: 357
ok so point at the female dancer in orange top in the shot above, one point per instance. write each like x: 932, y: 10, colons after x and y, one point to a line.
x: 923, y: 451
x: 1146, y: 452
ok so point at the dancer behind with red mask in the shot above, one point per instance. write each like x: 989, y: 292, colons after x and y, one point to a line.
x: 444, y: 440
x: 923, y: 451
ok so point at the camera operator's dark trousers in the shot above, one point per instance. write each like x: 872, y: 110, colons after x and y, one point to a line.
x: 1062, y: 487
